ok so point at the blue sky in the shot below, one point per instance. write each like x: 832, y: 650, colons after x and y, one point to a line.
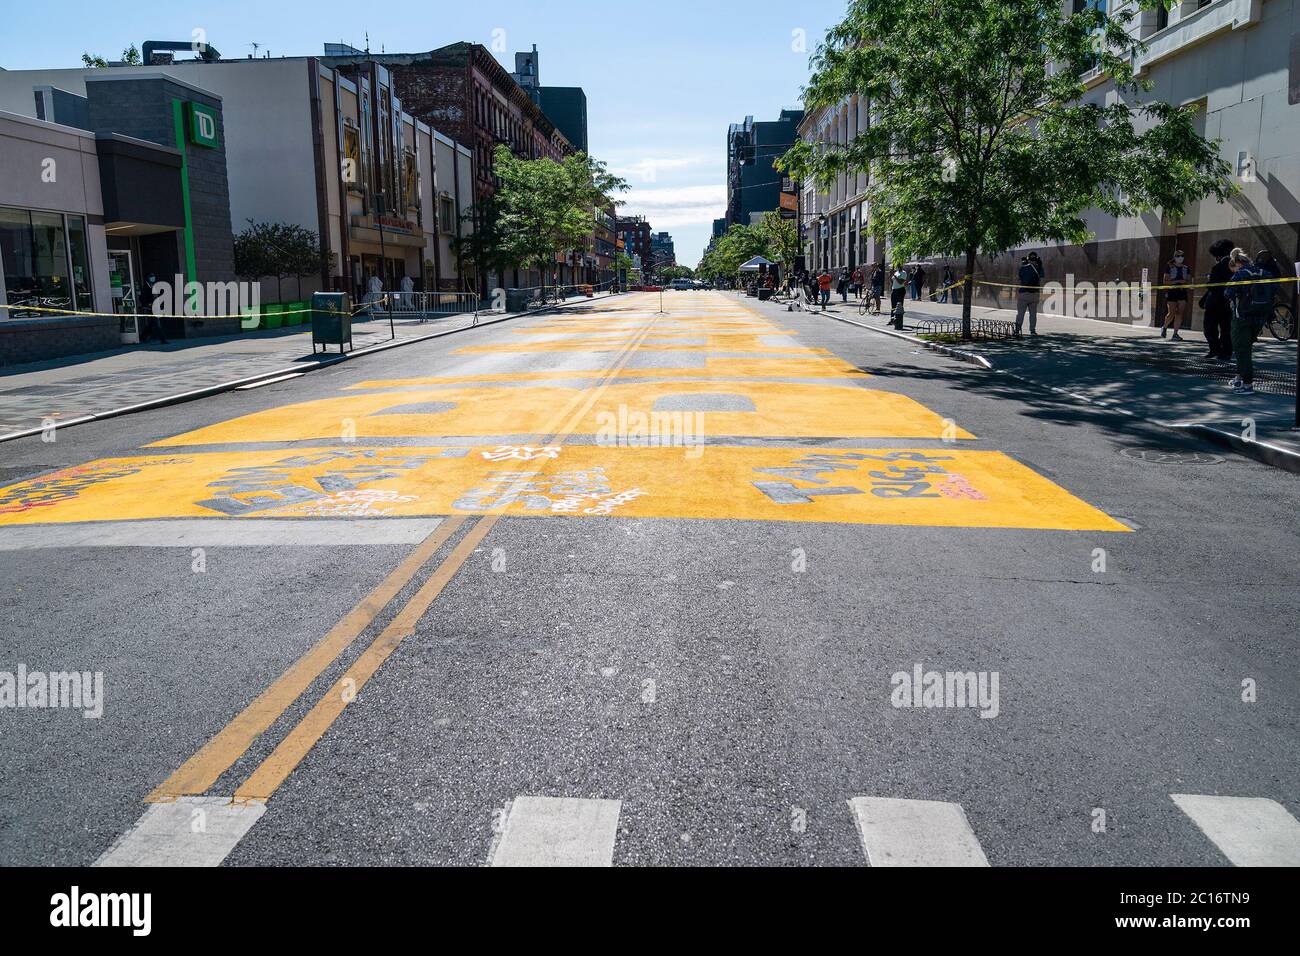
x: 663, y: 79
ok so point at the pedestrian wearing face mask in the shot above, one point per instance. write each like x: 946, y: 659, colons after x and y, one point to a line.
x: 1177, y: 273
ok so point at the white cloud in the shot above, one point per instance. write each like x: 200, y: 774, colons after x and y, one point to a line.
x: 679, y: 206
x: 647, y: 169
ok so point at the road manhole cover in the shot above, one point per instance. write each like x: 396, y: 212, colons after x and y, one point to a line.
x: 1163, y: 456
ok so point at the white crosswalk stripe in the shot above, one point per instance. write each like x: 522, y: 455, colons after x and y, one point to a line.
x: 552, y: 831
x: 915, y: 833
x: 1251, y: 831
x: 190, y: 831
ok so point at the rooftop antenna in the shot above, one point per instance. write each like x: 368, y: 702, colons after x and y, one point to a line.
x: 255, y: 45
x: 367, y: 41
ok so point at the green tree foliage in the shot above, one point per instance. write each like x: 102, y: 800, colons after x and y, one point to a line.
x: 130, y: 57
x: 546, y: 208
x: 983, y: 134
x: 277, y: 249
x: 782, y: 239
x: 774, y: 238
x: 669, y: 273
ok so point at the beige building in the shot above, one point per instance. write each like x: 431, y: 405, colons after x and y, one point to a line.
x: 1238, y: 60
x: 326, y: 148
x: 835, y: 225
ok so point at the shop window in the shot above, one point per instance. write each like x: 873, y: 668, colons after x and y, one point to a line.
x: 79, y: 254
x: 34, y: 249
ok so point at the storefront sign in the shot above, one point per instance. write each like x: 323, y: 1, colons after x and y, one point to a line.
x: 202, y: 125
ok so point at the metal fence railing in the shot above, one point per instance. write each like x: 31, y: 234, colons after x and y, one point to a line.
x: 421, y: 305
x: 540, y: 296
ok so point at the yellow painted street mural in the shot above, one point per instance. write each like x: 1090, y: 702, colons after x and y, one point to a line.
x: 778, y: 409
x: 600, y: 441
x: 980, y: 489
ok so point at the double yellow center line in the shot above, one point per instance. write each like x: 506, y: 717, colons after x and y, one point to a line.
x: 201, y: 771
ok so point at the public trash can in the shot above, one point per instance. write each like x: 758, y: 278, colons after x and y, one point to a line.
x: 331, y: 320
x: 517, y: 300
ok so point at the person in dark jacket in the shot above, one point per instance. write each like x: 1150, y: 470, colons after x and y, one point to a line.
x: 1030, y: 281
x: 1218, y: 310
x: 1251, y: 303
x: 153, y: 327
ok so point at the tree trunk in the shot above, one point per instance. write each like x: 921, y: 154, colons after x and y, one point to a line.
x: 968, y: 293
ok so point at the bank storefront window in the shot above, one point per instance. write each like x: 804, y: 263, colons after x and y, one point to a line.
x: 46, y: 262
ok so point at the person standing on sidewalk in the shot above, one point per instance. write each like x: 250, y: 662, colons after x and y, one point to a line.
x: 1176, y: 274
x: 153, y: 326
x: 842, y: 287
x: 824, y: 284
x: 947, y: 282
x: 1251, y: 303
x: 877, y: 286
x: 897, y: 293
x: 1030, y: 282
x: 1218, y: 309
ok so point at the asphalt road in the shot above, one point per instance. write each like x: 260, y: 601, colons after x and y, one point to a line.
x: 330, y: 634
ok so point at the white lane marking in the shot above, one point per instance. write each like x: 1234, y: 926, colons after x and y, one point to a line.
x: 220, y: 533
x: 1251, y: 831
x: 270, y: 381
x: 558, y: 831
x: 190, y: 831
x: 915, y: 833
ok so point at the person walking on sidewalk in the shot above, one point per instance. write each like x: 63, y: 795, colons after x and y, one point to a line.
x: 1176, y: 274
x: 1030, y: 282
x: 824, y: 284
x: 1251, y: 303
x: 842, y: 286
x: 947, y: 282
x: 1218, y: 309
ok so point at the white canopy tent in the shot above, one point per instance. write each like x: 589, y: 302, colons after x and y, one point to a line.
x: 753, y: 264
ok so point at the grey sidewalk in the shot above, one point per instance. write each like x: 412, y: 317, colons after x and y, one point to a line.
x: 67, y: 389
x: 1132, y: 370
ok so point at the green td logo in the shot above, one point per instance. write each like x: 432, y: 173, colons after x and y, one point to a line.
x: 203, y: 125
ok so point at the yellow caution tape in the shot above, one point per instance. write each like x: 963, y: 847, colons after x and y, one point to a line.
x: 169, y: 315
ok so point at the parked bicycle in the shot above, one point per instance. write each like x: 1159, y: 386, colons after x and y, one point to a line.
x: 869, y: 303
x: 1281, y: 322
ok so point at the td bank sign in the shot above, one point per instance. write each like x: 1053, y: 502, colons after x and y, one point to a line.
x: 202, y: 125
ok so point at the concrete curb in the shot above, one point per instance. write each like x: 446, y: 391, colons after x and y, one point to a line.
x: 959, y: 354
x: 1266, y: 452
x: 313, y: 366
x: 1262, y: 451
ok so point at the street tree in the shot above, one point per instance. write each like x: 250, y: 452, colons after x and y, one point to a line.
x: 277, y: 249
x: 738, y: 245
x: 983, y: 134
x: 547, y: 209
x: 782, y: 239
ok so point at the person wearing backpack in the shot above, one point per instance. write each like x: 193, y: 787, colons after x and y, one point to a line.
x: 1251, y: 303
x: 1030, y: 278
